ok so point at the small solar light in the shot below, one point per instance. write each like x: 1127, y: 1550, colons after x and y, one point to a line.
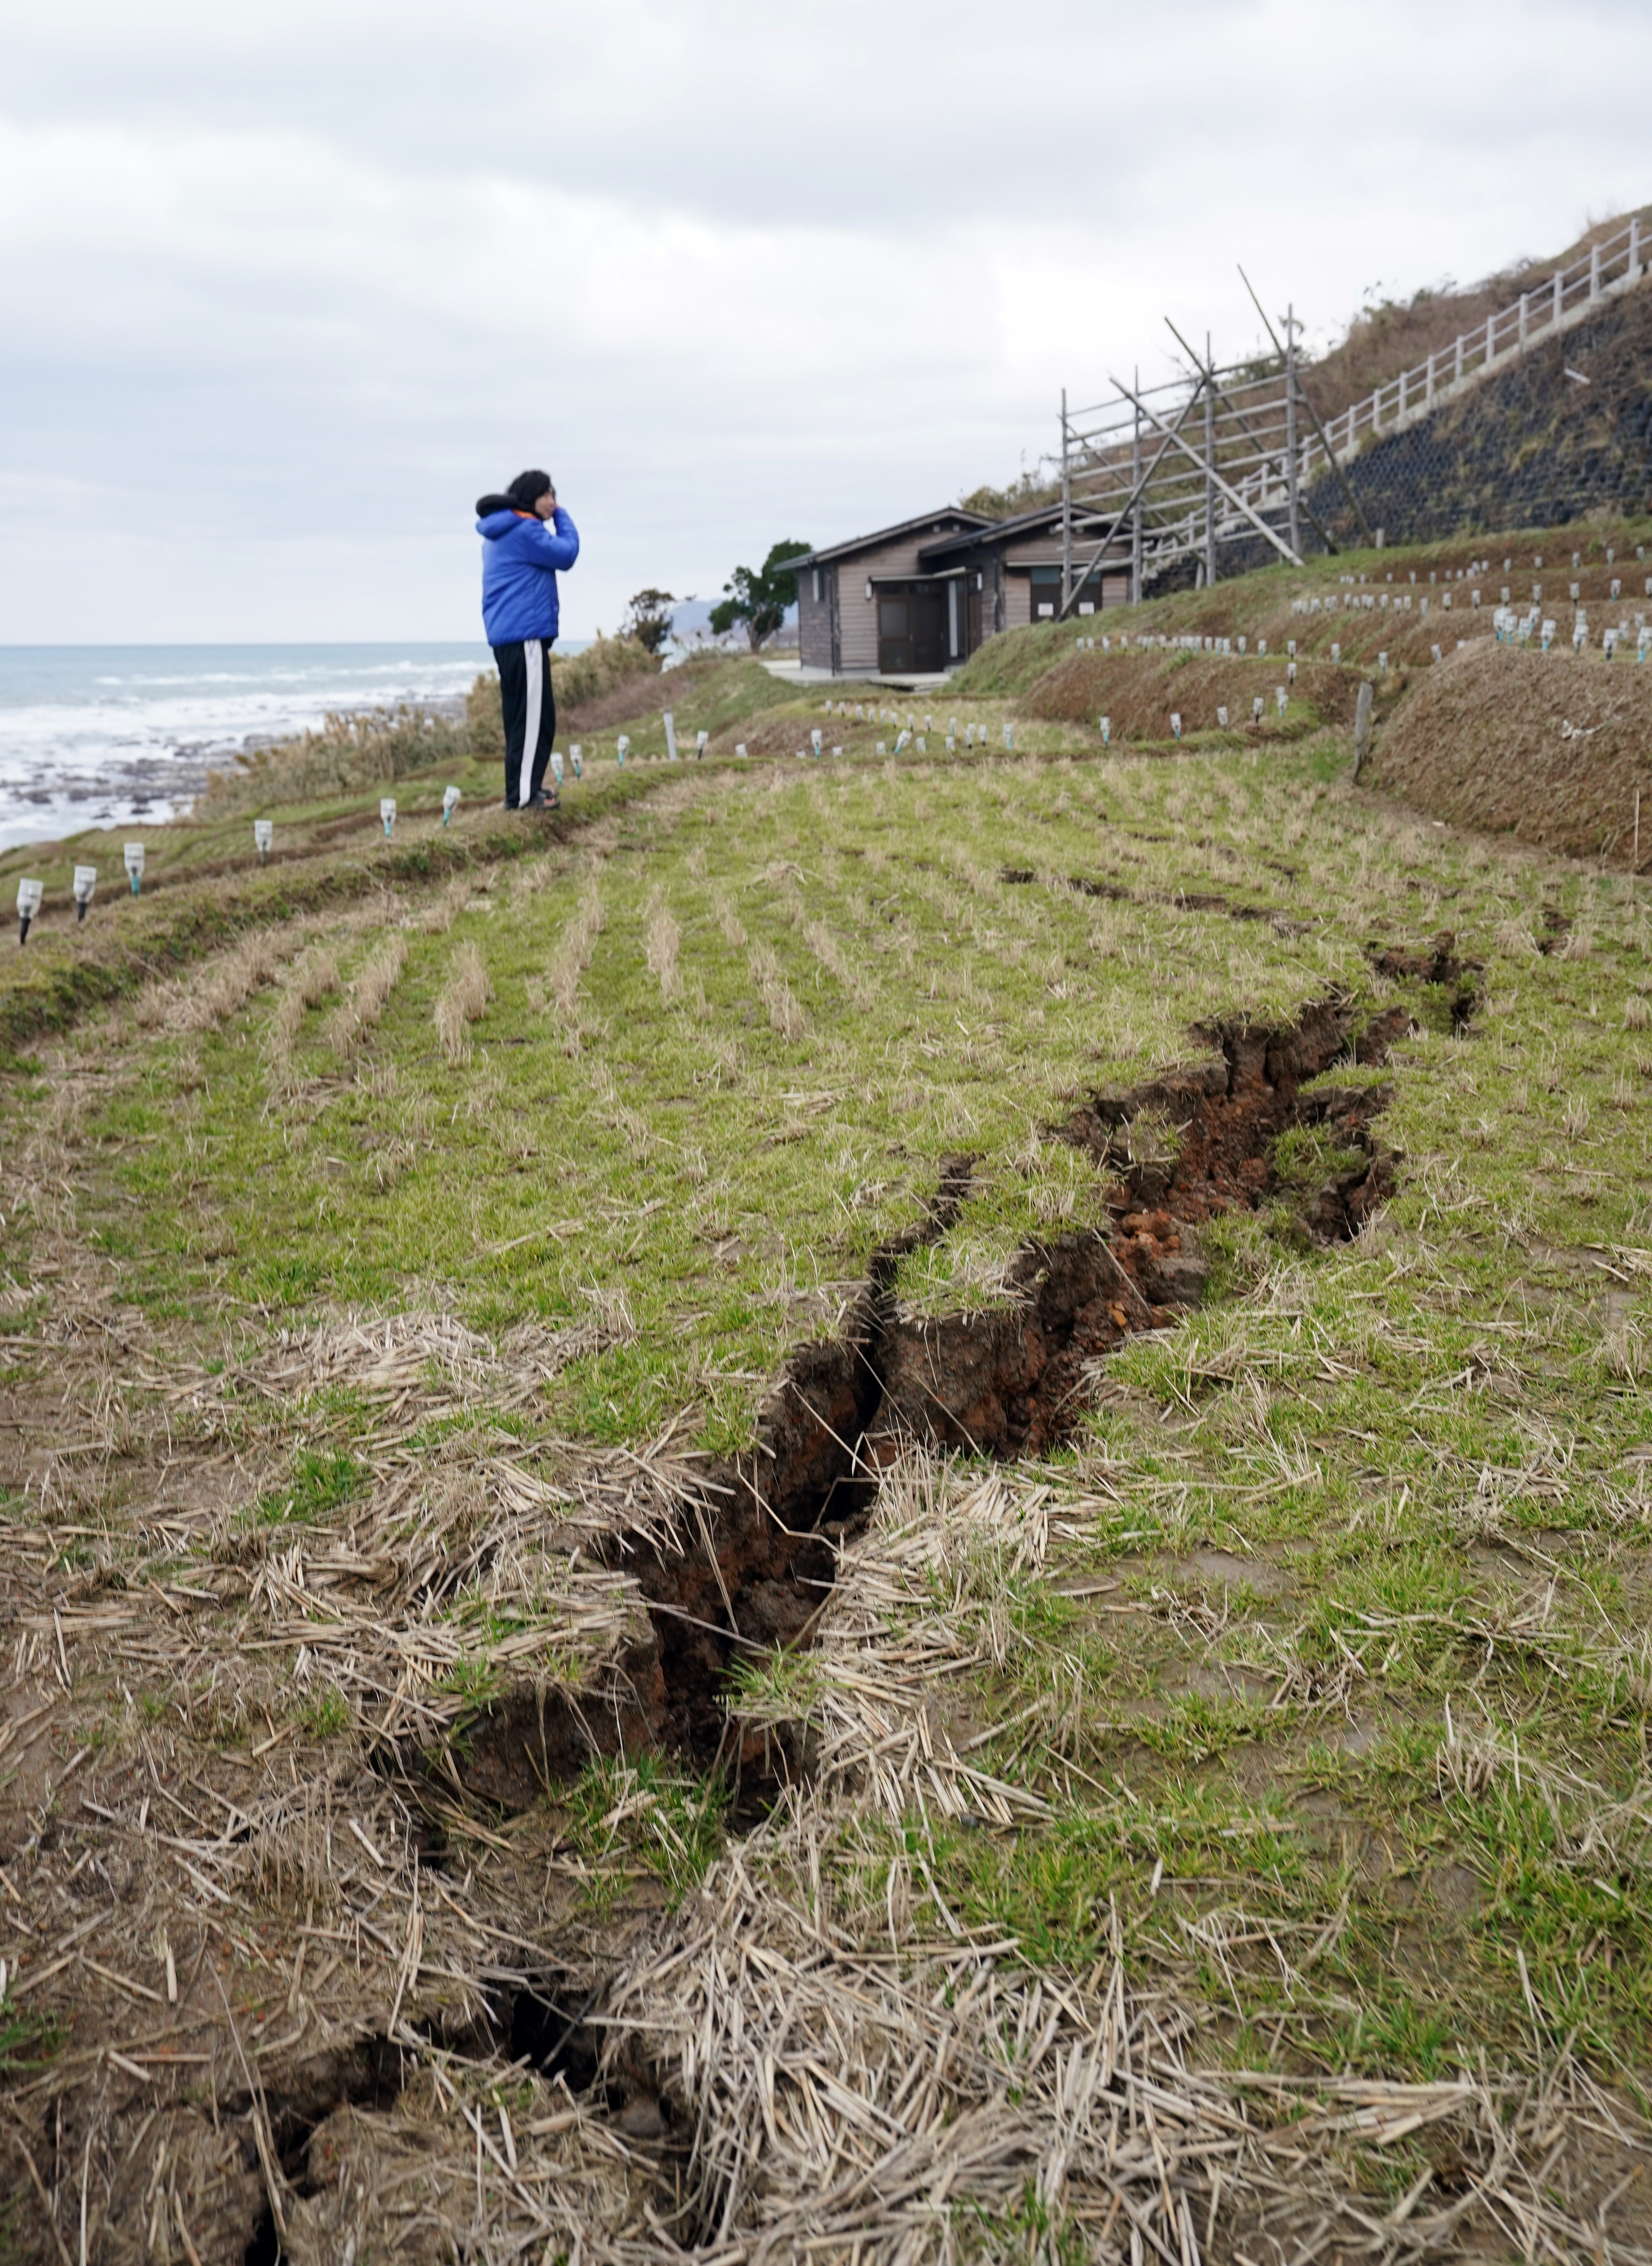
x: 1382, y: 664
x: 1290, y: 647
x: 1548, y: 635
x: 814, y: 741
x: 555, y: 764
x: 1289, y: 672
x: 451, y: 799
x: 1241, y: 645
x: 29, y: 896
x: 387, y: 812
x: 85, y: 882
x: 1107, y: 731
x: 1010, y: 739
x: 1175, y: 723
x: 901, y: 739
x: 1261, y: 645
x: 135, y: 865
x: 575, y: 755
x: 1255, y: 709
x: 263, y: 833
x: 623, y: 747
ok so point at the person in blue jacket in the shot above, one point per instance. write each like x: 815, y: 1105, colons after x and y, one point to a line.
x: 526, y: 539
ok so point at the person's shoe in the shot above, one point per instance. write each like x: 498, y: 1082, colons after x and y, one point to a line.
x: 543, y: 801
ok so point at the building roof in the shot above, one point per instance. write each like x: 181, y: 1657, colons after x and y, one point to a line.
x: 988, y: 532
x: 951, y: 515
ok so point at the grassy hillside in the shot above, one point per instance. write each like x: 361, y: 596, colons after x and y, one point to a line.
x: 883, y: 1506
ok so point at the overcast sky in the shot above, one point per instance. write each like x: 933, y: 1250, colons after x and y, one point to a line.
x: 285, y: 287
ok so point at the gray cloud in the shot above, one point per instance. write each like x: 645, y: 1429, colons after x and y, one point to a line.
x: 287, y: 288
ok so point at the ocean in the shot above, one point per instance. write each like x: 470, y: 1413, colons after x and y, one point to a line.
x: 100, y: 735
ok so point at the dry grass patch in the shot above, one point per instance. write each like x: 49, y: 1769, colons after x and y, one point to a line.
x: 369, y: 995
x: 461, y: 1001
x: 662, y: 937
x: 786, y: 1016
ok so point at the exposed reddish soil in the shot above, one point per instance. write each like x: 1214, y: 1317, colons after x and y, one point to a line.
x: 1007, y: 1382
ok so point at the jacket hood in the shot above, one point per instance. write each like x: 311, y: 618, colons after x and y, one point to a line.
x: 496, y: 524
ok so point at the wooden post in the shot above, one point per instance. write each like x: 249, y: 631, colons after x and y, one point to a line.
x: 1066, y: 509
x: 1290, y: 426
x: 1210, y: 468
x: 1135, y: 517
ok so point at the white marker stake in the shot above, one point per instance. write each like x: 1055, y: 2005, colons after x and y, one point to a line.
x: 1010, y: 739
x: 1221, y: 718
x: 1382, y: 664
x: 575, y: 756
x: 1107, y: 731
x: 951, y: 745
x: 814, y: 741
x: 836, y: 752
x: 1435, y: 650
x: 1337, y: 651
x: 623, y: 747
x: 1255, y: 709
x: 882, y: 749
x: 1280, y: 697
x: 1175, y: 723
x: 671, y: 739
x: 451, y: 801
x: 555, y: 764
x: 1289, y: 672
x: 29, y: 896
x: 923, y: 745
x: 263, y: 832
x: 85, y: 882
x: 387, y: 812
x: 1241, y: 645
x: 901, y: 739
x: 135, y: 865
x: 703, y: 739
x: 739, y: 747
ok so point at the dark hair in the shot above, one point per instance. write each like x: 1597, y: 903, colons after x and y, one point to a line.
x: 522, y: 495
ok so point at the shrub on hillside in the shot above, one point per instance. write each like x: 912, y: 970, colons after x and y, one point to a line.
x: 347, y: 752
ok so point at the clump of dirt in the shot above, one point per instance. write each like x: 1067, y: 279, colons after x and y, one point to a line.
x: 756, y: 1560
x: 1555, y: 748
x: 1138, y: 690
x: 1438, y: 964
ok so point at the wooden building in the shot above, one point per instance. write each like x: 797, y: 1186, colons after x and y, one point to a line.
x: 917, y: 599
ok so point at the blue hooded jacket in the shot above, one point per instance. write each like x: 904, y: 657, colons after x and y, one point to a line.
x: 520, y: 555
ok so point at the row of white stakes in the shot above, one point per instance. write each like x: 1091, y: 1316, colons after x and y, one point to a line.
x: 31, y: 893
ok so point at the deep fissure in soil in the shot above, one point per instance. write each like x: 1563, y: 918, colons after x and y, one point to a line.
x: 1011, y: 1381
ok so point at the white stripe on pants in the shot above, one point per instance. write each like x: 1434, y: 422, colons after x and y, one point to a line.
x: 534, y: 660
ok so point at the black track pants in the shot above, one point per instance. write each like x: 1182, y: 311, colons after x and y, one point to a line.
x: 531, y: 716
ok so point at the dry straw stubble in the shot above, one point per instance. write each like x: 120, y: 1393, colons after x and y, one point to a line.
x: 461, y: 1001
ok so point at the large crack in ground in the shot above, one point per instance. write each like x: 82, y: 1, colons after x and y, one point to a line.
x: 757, y: 1560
